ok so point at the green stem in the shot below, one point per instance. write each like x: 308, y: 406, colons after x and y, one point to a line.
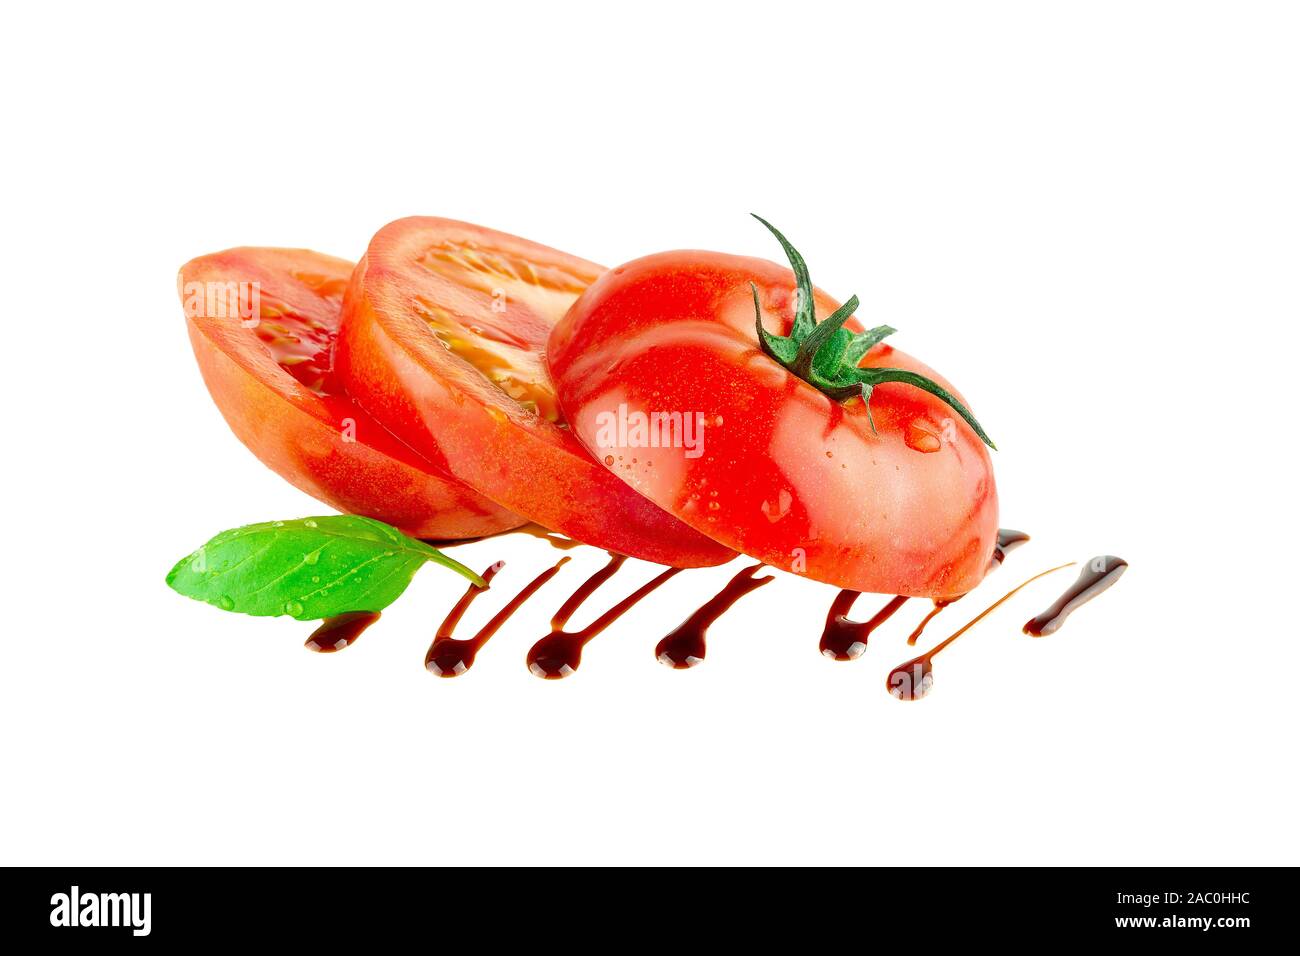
x: 872, y: 377
x: 826, y: 356
x: 820, y: 336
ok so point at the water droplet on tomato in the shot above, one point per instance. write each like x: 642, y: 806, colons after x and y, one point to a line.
x: 226, y: 603
x: 918, y: 438
x: 292, y: 608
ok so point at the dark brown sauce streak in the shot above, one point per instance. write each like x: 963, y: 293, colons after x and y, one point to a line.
x: 912, y: 680
x: 687, y: 644
x: 553, y: 538
x: 1008, y: 541
x: 920, y: 628
x: 1099, y: 574
x: 845, y: 640
x: 339, y: 631
x: 559, y: 653
x: 450, y: 657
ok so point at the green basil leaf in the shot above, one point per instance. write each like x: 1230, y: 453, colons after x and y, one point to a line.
x: 309, y: 568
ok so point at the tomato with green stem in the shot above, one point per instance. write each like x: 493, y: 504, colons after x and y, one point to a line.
x: 820, y: 449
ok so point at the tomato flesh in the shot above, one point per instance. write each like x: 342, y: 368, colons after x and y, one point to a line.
x: 445, y: 326
x: 266, y: 357
x: 781, y: 471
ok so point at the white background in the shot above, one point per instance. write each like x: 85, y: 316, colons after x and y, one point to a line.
x: 1085, y: 215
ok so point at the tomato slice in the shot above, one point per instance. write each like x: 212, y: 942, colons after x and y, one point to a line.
x: 263, y: 324
x: 899, y: 501
x: 445, y: 327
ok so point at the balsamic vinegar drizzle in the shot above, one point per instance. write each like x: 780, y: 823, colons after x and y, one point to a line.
x: 339, y: 631
x: 913, y: 679
x: 920, y: 628
x: 533, y: 530
x: 1008, y: 541
x: 1099, y: 574
x: 559, y: 653
x: 845, y: 640
x: 553, y: 538
x: 686, y: 645
x: 449, y: 657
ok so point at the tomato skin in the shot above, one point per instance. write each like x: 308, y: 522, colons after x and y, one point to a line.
x: 422, y: 382
x: 298, y: 431
x: 785, y: 474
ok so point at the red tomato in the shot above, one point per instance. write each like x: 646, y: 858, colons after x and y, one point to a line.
x: 779, y: 469
x: 263, y: 323
x: 444, y: 328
